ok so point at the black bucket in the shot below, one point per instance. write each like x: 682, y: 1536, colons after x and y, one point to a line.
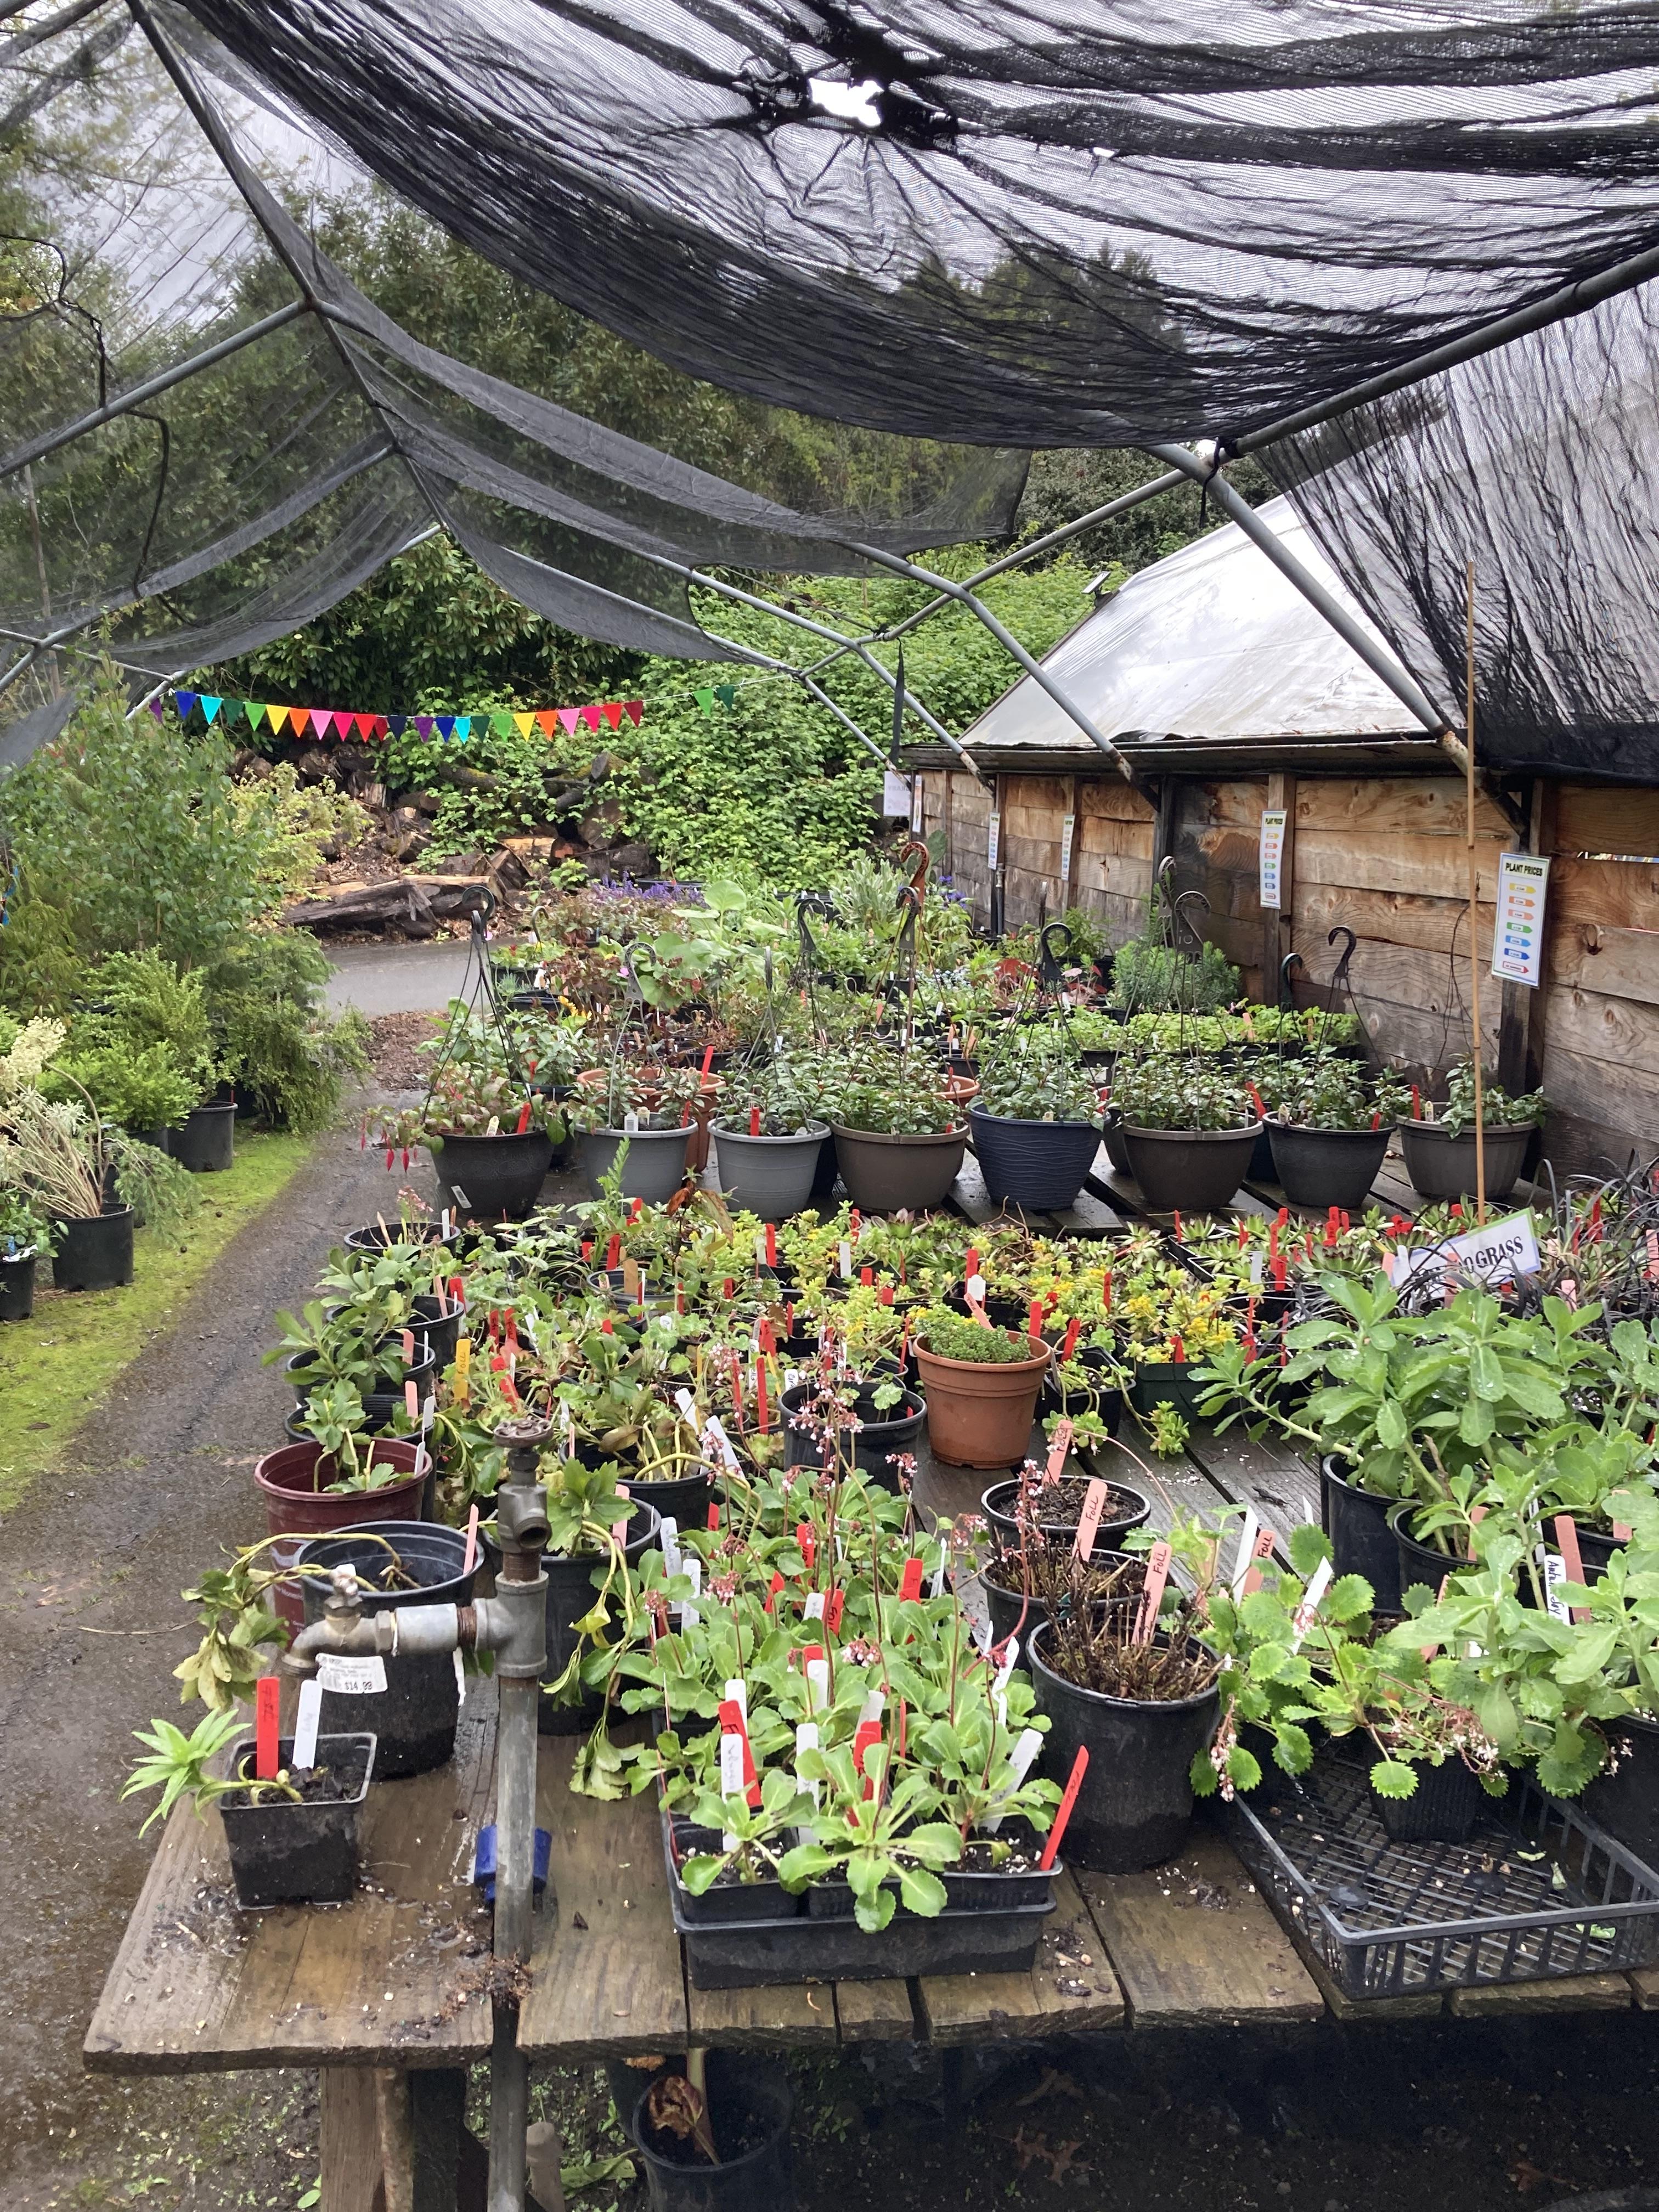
x: 17, y: 1286
x: 1624, y: 1798
x: 1362, y: 1542
x: 1324, y: 1168
x: 1442, y: 1809
x: 286, y: 1854
x: 414, y: 1717
x: 1135, y: 1805
x: 1005, y: 1607
x: 94, y: 1252
x: 897, y: 1430
x: 571, y: 1593
x: 1039, y: 1165
x: 1421, y: 1564
x: 685, y: 1499
x: 206, y: 1141
x: 750, y: 2106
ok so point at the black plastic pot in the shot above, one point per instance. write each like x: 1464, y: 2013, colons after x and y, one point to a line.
x: 286, y: 1854
x: 724, y: 1905
x: 1595, y: 1548
x: 749, y: 2102
x: 1005, y: 1607
x: 377, y: 1404
x: 17, y: 1286
x: 685, y: 1500
x: 896, y: 1430
x: 1189, y: 1170
x: 1167, y: 1382
x: 1442, y: 1809
x: 1362, y: 1542
x: 493, y: 1178
x: 1420, y: 1564
x: 571, y: 1593
x: 414, y: 1715
x: 439, y: 1321
x: 825, y: 1175
x: 94, y: 1253
x: 1106, y: 1401
x: 1324, y: 1168
x: 1111, y: 1136
x: 1624, y: 1798
x: 1136, y: 1804
x: 375, y: 1238
x: 1041, y: 1166
x: 157, y: 1138
x: 999, y: 1501
x: 1442, y: 1166
x: 206, y: 1141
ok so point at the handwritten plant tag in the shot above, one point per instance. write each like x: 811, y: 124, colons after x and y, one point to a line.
x: 1261, y: 1549
x: 1088, y: 1526
x: 1059, y: 1444
x: 1152, y: 1594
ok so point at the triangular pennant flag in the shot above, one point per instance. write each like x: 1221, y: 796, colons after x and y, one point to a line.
x: 446, y: 725
x: 276, y: 716
x: 185, y: 701
x: 612, y: 712
x: 590, y: 716
x: 636, y: 708
x: 254, y: 711
x: 463, y: 728
x: 725, y: 693
x: 210, y: 706
x: 546, y: 721
x: 299, y: 719
x: 567, y: 716
x: 157, y: 707
x: 501, y: 725
x: 322, y: 722
x: 365, y: 725
x: 523, y: 724
x: 396, y: 723
x: 705, y: 698
x: 424, y: 723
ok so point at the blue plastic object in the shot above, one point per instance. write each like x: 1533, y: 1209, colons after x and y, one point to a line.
x: 483, y: 1862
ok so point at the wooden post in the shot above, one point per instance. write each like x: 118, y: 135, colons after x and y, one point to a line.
x: 1278, y: 925
x: 1522, y: 1011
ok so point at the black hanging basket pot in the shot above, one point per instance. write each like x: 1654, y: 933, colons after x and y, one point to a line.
x: 1324, y: 1168
x: 17, y: 1286
x: 94, y: 1252
x: 1442, y: 1166
x: 205, y: 1142
x: 493, y: 1178
x: 1362, y: 1538
x: 1040, y: 1165
x: 414, y: 1717
x: 1189, y: 1170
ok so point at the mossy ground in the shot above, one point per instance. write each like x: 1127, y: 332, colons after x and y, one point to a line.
x: 56, y: 1367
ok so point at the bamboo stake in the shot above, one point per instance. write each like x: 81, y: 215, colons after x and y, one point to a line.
x: 1474, y: 944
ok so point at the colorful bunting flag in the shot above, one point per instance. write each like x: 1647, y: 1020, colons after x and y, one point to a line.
x: 425, y: 724
x: 567, y: 717
x: 636, y: 708
x: 397, y: 724
x: 254, y: 711
x: 276, y: 716
x: 501, y: 725
x: 725, y: 693
x: 156, y: 708
x: 446, y: 725
x: 612, y: 712
x: 547, y: 720
x: 704, y: 696
x: 185, y: 701
x: 523, y: 724
x: 463, y: 728
x: 590, y: 716
x: 341, y: 724
x: 300, y: 718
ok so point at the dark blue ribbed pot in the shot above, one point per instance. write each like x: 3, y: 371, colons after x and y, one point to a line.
x: 1041, y: 1166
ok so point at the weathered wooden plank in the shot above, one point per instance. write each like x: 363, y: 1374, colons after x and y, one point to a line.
x: 351, y: 2174
x: 799, y: 2016
x: 1110, y: 798
x: 1089, y: 1218
x: 1362, y: 860
x: 1587, y: 1023
x: 1103, y: 836
x: 1426, y: 806
x: 874, y: 2012
x: 1386, y: 918
x: 1401, y: 976
x: 1570, y: 1993
x: 1619, y: 964
x: 1603, y: 1092
x: 1644, y: 1987
x: 1260, y: 1471
x: 394, y: 1977
x: 1613, y: 894
x: 1071, y: 1988
x: 605, y: 1979
x: 1194, y: 1944
x: 1605, y: 818
x: 1428, y: 2004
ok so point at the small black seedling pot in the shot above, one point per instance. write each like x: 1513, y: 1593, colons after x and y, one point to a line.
x: 17, y: 1286
x: 750, y: 2106
x: 286, y: 1854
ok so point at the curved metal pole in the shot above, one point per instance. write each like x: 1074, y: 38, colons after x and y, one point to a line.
x: 1006, y: 638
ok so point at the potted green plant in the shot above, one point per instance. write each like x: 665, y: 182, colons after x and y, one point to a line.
x: 982, y: 1385
x: 1187, y: 1132
x: 899, y: 1136
x: 1330, y: 1130
x: 333, y: 1477
x: 596, y: 1533
x: 1036, y: 1122
x: 873, y: 1420
x: 642, y: 1122
x: 768, y: 1140
x: 24, y: 1233
x: 491, y: 1135
x: 61, y: 1155
x: 1439, y: 1144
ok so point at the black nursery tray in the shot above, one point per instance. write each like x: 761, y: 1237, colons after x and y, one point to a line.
x: 770, y: 1953
x: 1535, y: 1893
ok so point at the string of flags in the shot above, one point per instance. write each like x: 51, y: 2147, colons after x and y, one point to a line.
x: 342, y: 724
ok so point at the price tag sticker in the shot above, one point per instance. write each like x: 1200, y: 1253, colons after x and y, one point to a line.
x: 351, y: 1678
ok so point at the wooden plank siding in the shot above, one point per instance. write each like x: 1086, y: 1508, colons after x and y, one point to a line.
x: 1384, y: 857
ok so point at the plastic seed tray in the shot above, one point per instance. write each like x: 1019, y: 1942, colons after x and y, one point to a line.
x: 1536, y: 1893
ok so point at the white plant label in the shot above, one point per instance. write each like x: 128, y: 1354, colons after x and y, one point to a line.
x: 732, y: 1784
x: 791, y: 1377
x: 351, y: 1678
x: 936, y: 1587
x: 1518, y: 938
x: 992, y: 841
x: 668, y: 1535
x: 737, y: 1693
x: 915, y: 806
x: 690, y: 1615
x: 305, y: 1725
x: 817, y: 1684
x: 630, y: 1124
x: 1019, y: 1766
x: 895, y: 796
x: 1271, y: 859
x: 813, y: 1608
x: 875, y: 1705
x: 1500, y: 1249
x: 1318, y: 1582
x: 1067, y: 837
x: 1010, y: 1661
x: 1555, y: 1573
x: 845, y: 1257
x: 715, y: 1435
x: 1246, y: 1551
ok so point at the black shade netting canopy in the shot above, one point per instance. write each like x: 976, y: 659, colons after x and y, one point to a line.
x: 1027, y: 221
x: 209, y: 432
x: 1538, y: 464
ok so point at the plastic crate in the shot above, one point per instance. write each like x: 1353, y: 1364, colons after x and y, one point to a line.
x: 1536, y: 1893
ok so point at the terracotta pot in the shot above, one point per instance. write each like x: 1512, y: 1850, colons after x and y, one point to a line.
x: 296, y: 1507
x: 883, y: 1173
x: 980, y: 1412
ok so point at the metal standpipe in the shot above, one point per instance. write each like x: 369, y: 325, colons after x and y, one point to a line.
x: 514, y: 1626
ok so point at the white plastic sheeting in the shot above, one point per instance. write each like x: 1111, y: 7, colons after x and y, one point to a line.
x: 1211, y: 642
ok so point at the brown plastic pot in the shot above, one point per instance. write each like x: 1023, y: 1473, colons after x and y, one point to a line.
x: 885, y: 1174
x: 980, y: 1412
x: 298, y: 1505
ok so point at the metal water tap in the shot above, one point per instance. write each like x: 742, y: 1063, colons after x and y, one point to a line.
x: 342, y: 1627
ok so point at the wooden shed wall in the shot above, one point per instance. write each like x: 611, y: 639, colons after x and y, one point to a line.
x: 1385, y: 857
